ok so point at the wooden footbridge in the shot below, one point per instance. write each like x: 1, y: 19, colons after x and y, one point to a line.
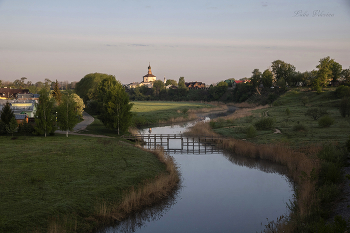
x: 178, y: 143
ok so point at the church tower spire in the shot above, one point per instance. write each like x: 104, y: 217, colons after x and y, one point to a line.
x: 149, y: 69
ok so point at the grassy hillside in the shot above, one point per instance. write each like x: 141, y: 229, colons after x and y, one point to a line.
x: 288, y: 116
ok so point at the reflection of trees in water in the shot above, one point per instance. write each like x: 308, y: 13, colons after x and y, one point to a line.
x: 139, y: 219
x: 259, y: 164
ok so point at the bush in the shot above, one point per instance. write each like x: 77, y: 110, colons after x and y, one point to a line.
x: 315, y: 113
x: 251, y: 131
x: 325, y: 121
x: 264, y: 123
x: 345, y: 107
x: 342, y: 91
x: 299, y: 127
x: 287, y: 111
x: 305, y: 100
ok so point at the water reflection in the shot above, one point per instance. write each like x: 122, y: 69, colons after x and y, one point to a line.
x: 215, y: 196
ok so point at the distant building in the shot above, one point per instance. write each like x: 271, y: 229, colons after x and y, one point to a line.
x: 195, y: 85
x: 8, y: 93
x: 149, y: 77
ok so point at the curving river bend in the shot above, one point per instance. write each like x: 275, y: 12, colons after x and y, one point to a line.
x: 219, y: 193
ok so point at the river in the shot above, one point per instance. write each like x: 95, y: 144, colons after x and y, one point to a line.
x: 219, y: 192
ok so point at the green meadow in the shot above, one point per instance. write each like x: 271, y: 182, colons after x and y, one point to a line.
x: 59, y: 180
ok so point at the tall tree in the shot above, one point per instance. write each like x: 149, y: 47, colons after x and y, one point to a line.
x: 267, y: 78
x: 256, y: 78
x: 7, y: 114
x: 114, y: 104
x: 346, y: 75
x: 158, y: 85
x: 86, y: 88
x: 336, y: 69
x: 56, y: 93
x: 79, y: 107
x: 282, y: 70
x: 182, y: 83
x: 47, y: 84
x: 45, y: 115
x: 324, y: 73
x: 67, y: 116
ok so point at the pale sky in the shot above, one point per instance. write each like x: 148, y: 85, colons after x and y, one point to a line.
x: 205, y: 41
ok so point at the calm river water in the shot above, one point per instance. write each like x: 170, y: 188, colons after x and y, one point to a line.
x: 218, y: 193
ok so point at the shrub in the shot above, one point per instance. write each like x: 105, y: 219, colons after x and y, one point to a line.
x: 264, y: 123
x: 325, y: 121
x: 342, y: 91
x: 287, y: 111
x: 251, y: 131
x: 315, y: 113
x: 305, y: 100
x: 26, y: 128
x: 299, y: 127
x: 345, y: 107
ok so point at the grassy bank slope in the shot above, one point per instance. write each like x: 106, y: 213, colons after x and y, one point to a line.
x: 288, y: 115
x: 46, y: 181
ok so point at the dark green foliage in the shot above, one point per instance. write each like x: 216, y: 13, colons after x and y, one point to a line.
x: 305, y: 100
x: 2, y: 127
x: 345, y: 107
x: 45, y: 115
x: 12, y: 126
x: 215, y: 93
x: 7, y: 113
x: 315, y: 113
x: 287, y: 111
x: 299, y: 127
x: 342, y: 91
x: 348, y: 144
x: 325, y: 121
x: 264, y: 123
x: 251, y: 131
x: 86, y: 88
x: 56, y: 93
x: 242, y: 92
x: 67, y: 117
x: 26, y: 128
x: 339, y: 225
x: 114, y: 105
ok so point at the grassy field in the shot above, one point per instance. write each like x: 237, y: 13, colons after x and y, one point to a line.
x: 288, y: 113
x: 154, y: 112
x: 53, y: 180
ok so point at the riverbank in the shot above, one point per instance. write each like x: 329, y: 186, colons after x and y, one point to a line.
x: 59, y: 184
x: 315, y: 168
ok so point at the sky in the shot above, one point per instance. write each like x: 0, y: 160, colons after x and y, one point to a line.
x: 201, y: 40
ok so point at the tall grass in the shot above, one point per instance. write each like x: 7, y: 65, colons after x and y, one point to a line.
x: 147, y: 194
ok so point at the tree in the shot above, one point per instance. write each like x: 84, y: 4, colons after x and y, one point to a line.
x: 12, y: 126
x: 114, y: 105
x: 0, y: 83
x: 345, y: 107
x: 47, y: 84
x: 336, y: 69
x: 282, y: 70
x: 171, y: 82
x: 67, y: 116
x: 324, y: 73
x: 256, y: 78
x: 45, y: 115
x: 56, y: 93
x: 7, y: 114
x: 267, y: 78
x: 79, y: 104
x: 182, y: 83
x: 86, y: 88
x: 157, y: 87
x: 345, y: 74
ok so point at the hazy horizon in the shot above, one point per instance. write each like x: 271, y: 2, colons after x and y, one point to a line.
x: 202, y: 41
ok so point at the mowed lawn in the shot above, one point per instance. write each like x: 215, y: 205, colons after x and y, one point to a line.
x: 66, y: 179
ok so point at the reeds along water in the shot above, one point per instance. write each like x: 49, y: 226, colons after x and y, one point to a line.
x: 302, y: 165
x: 147, y: 194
